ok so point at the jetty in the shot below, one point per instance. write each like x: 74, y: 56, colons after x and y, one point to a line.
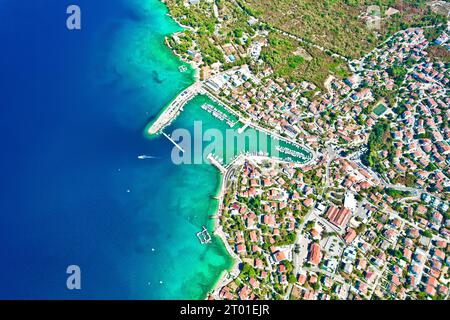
x: 171, y: 140
x: 174, y: 108
x: 204, y: 236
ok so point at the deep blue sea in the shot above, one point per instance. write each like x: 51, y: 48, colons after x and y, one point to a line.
x: 73, y: 107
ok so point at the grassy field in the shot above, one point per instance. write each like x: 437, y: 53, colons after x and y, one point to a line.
x: 337, y: 24
x: 297, y: 62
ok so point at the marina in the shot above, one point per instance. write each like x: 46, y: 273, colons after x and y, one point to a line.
x: 292, y: 150
x: 218, y: 114
x: 293, y: 153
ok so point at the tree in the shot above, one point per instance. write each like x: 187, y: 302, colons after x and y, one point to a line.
x: 291, y: 278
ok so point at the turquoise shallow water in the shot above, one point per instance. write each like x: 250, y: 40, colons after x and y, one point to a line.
x: 172, y: 202
x: 199, y: 132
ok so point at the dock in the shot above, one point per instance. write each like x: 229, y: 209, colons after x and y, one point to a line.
x: 171, y: 140
x: 218, y: 114
x: 242, y: 129
x: 204, y: 236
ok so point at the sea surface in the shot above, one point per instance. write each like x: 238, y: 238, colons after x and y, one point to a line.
x: 74, y: 105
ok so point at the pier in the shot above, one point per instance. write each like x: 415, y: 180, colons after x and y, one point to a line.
x: 204, y: 236
x: 218, y: 114
x: 171, y: 140
x: 216, y: 163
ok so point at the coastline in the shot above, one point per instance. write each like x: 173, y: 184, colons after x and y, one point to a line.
x: 192, y: 68
x: 161, y: 121
x: 226, y: 275
x: 220, y: 187
x: 197, y: 82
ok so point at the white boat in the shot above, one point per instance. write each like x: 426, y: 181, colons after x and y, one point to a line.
x: 144, y: 157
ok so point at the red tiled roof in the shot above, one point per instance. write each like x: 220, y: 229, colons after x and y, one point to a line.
x: 338, y: 217
x: 315, y: 255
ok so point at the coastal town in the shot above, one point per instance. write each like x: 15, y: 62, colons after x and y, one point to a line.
x: 365, y: 212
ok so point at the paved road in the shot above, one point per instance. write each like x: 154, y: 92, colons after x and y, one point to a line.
x: 331, y: 156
